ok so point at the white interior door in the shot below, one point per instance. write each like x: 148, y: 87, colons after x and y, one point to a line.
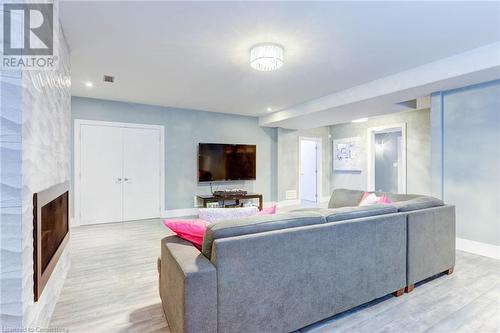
x: 100, y: 174
x: 387, y: 158
x: 118, y: 171
x: 141, y: 173
x: 308, y: 170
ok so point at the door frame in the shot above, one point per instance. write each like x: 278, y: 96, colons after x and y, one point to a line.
x: 78, y: 123
x: 319, y: 174
x: 402, y: 188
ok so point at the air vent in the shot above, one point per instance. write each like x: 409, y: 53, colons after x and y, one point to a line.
x: 109, y: 78
x: 290, y: 195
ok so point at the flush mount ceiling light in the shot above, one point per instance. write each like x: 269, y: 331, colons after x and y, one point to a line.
x: 89, y: 84
x: 360, y: 120
x: 266, y: 57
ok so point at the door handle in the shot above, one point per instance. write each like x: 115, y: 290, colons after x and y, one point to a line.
x: 118, y: 180
x: 126, y: 180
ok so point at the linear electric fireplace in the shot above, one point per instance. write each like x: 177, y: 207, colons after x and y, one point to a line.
x: 50, y: 232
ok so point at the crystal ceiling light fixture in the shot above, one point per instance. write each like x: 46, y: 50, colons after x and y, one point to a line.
x: 266, y: 57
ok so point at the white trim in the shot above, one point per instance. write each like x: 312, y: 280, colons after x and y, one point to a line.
x: 76, y: 159
x: 319, y: 175
x: 371, y: 157
x: 483, y: 249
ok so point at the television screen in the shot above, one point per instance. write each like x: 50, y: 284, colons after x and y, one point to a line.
x: 218, y: 162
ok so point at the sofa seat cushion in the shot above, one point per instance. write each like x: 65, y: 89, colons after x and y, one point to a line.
x: 348, y: 213
x: 395, y: 197
x: 320, y: 210
x: 417, y: 203
x: 257, y: 224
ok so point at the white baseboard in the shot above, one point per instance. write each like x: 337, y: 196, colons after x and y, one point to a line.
x: 483, y: 249
x: 73, y: 222
x: 285, y: 203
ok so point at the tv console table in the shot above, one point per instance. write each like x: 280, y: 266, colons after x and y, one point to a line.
x: 237, y: 197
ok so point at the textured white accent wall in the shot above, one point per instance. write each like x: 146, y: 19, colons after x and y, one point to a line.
x: 35, y: 148
x: 11, y: 264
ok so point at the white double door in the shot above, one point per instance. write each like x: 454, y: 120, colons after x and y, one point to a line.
x: 120, y: 173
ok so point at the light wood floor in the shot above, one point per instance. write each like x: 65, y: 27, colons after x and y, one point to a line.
x: 112, y: 287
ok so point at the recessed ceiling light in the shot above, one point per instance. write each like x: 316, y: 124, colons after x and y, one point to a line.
x: 266, y: 57
x: 360, y: 120
x: 269, y: 109
x: 89, y: 84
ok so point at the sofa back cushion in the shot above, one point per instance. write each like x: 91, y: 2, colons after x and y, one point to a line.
x: 417, y: 203
x: 342, y: 197
x: 350, y: 212
x: 257, y: 224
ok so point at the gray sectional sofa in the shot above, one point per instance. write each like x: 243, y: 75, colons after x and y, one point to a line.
x: 279, y: 273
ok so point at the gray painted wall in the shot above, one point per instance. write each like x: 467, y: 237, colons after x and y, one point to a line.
x: 184, y: 129
x: 288, y: 159
x: 418, y: 150
x: 466, y: 158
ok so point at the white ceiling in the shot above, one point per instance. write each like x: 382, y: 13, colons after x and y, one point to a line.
x: 195, y: 55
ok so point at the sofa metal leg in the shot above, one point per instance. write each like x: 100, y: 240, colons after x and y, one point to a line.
x: 449, y: 271
x: 399, y: 292
x: 409, y: 288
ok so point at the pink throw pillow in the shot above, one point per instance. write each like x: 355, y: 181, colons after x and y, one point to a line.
x: 267, y: 211
x: 190, y: 230
x: 372, y: 199
x: 364, y: 196
x: 385, y: 200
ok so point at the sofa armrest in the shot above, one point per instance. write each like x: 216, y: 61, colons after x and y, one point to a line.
x: 188, y: 287
x: 431, y: 242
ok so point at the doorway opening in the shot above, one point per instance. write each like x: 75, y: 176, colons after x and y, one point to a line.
x: 309, y: 170
x: 387, y: 159
x: 116, y: 178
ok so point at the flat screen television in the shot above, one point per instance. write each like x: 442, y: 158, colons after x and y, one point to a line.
x: 222, y: 162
